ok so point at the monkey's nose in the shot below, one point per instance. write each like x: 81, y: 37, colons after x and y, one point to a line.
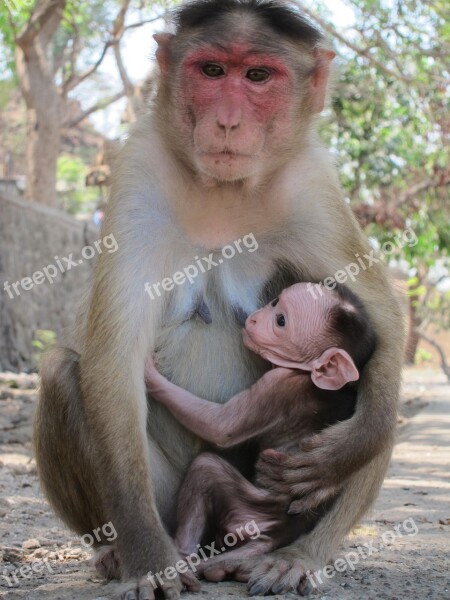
x: 229, y: 116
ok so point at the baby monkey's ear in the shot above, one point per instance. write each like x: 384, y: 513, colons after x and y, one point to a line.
x: 333, y: 369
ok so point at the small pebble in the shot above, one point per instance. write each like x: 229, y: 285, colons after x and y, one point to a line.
x: 31, y: 544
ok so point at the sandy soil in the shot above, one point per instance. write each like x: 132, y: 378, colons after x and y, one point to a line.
x: 407, y: 534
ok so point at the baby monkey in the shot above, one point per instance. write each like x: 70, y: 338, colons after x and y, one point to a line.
x: 318, y: 341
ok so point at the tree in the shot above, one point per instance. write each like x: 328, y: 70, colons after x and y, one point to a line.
x: 390, y: 130
x: 53, y: 44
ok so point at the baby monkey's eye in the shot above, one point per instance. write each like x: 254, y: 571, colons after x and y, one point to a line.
x: 281, y: 321
x: 275, y: 302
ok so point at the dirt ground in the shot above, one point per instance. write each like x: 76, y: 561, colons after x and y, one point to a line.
x: 401, y: 550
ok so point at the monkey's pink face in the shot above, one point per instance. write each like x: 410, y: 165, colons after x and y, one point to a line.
x: 237, y: 109
x: 290, y: 326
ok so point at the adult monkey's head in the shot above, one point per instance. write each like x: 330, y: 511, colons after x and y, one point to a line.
x: 240, y: 83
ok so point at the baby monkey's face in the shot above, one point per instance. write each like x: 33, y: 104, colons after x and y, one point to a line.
x: 291, y: 327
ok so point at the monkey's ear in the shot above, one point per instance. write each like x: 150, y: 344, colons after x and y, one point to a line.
x: 163, y: 53
x: 320, y: 77
x: 333, y: 369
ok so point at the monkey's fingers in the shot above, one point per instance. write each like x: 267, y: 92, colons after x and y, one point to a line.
x: 277, y: 460
x: 272, y: 469
x: 190, y: 582
x: 312, y: 501
x: 228, y: 568
x: 312, y: 443
x: 273, y: 456
x: 274, y: 485
x: 301, y: 475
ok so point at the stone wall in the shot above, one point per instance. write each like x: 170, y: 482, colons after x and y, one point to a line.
x: 32, y: 237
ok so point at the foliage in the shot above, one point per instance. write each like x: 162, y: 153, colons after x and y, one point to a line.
x: 73, y: 196
x: 391, y: 133
x: 45, y: 339
x: 388, y: 124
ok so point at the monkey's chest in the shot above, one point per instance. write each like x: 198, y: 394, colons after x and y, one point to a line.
x: 199, y: 343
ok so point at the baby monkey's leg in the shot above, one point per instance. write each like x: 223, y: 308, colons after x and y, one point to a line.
x: 203, y: 498
x: 215, y: 496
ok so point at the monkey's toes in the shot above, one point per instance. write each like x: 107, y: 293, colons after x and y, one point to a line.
x: 277, y: 576
x: 107, y: 562
x: 141, y: 590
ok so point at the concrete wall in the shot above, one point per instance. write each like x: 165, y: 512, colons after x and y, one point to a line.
x: 31, y: 236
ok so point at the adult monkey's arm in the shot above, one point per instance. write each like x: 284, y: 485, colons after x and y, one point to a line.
x: 120, y: 331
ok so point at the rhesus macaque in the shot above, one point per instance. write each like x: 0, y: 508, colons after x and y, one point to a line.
x: 319, y: 343
x: 228, y: 148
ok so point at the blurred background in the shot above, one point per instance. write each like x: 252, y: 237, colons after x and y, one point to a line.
x: 74, y: 76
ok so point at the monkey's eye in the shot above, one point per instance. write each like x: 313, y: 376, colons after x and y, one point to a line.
x: 213, y: 70
x: 258, y: 75
x: 275, y: 302
x: 281, y: 321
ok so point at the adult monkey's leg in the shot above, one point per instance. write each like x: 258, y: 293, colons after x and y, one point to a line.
x: 62, y: 445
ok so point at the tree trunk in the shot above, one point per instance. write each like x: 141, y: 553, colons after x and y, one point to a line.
x: 43, y: 145
x: 43, y: 125
x: 41, y: 96
x: 413, y: 335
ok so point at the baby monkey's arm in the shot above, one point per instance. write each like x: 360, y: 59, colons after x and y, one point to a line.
x: 246, y: 415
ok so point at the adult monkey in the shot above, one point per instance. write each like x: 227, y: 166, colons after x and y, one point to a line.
x: 229, y: 148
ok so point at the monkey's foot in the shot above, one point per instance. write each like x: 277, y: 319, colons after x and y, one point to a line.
x: 145, y: 589
x: 107, y: 562
x: 280, y: 572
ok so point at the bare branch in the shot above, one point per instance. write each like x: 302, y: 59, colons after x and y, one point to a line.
x: 74, y: 80
x: 141, y: 23
x: 96, y: 107
x: 422, y: 186
x: 120, y: 20
x: 444, y: 364
x: 117, y: 31
x: 364, y: 52
x: 44, y: 12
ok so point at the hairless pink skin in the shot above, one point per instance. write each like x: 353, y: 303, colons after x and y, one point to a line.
x: 279, y: 410
x: 291, y: 332
x: 284, y: 346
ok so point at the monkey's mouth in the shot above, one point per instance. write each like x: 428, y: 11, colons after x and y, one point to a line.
x: 226, y: 154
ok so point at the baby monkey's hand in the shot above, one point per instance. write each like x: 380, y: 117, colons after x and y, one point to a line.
x: 154, y: 381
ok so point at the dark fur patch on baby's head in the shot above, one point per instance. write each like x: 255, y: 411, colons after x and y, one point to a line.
x: 278, y: 16
x: 350, y: 320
